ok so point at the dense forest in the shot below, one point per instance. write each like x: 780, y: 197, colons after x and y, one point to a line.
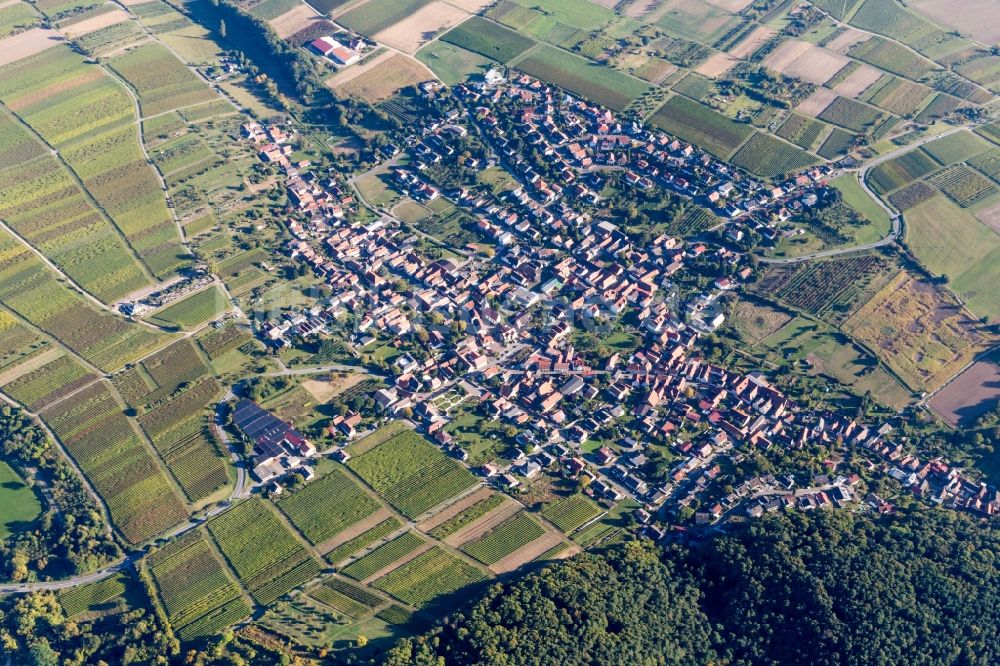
x: 828, y: 588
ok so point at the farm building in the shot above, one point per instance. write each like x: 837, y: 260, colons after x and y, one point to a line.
x: 277, y: 446
x: 331, y: 48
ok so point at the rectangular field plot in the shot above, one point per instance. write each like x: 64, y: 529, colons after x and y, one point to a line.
x: 358, y: 543
x: 767, y: 157
x: 964, y: 186
x: 30, y: 289
x: 327, y: 506
x: 161, y: 81
x: 503, y: 540
x: 570, y: 513
x: 411, y: 473
x: 801, y: 131
x: 901, y: 171
x: 851, y: 114
x: 384, y: 556
x: 264, y: 553
x: 17, y: 145
x: 957, y: 147
x: 466, y: 516
x: 700, y: 125
x: 94, y: 596
x: 433, y: 574
x: 196, y: 309
x: 489, y: 39
x: 582, y: 77
x: 106, y: 447
x: 374, y: 16
x: 197, y: 592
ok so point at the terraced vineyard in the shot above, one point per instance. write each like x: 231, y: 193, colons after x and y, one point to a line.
x: 328, y: 505
x: 197, y: 592
x: 411, y: 473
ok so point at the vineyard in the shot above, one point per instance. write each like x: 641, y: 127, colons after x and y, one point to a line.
x: 768, y: 157
x: 911, y: 195
x: 700, y: 125
x: 468, y: 516
x: 17, y: 341
x: 265, y: 555
x: 55, y: 379
x: 193, y: 310
x: 898, y: 96
x: 383, y: 556
x: 964, y: 186
x: 327, y: 506
x: 194, y: 587
x: 411, y: 473
x: 568, y: 514
x: 506, y: 538
x: 427, y: 577
x: 988, y: 163
x: 838, y: 143
x: 160, y: 80
x: 224, y: 340
x: 891, y: 57
x: 488, y: 39
x: 105, y: 446
x: 161, y: 374
x: 850, y: 114
x: 801, y: 131
x: 362, y: 541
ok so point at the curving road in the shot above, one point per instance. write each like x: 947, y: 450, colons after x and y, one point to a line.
x: 21, y: 588
x: 895, y: 217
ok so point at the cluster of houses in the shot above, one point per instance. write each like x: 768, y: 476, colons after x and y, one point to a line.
x: 505, y: 327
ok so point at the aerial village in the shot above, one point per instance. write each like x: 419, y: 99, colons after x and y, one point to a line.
x: 499, y: 326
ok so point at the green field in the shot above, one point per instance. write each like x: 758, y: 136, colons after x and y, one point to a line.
x: 20, y: 505
x: 411, y: 473
x: 582, y: 15
x: 327, y: 506
x: 193, y: 310
x: 49, y: 382
x: 582, y: 77
x: 94, y: 596
x: 852, y: 115
x: 489, y: 39
x: 468, y: 516
x: 901, y: 170
x: 160, y: 80
x: 957, y: 147
x: 451, y: 63
x: 700, y: 125
x: 504, y: 539
x: 427, y: 577
x: 951, y: 242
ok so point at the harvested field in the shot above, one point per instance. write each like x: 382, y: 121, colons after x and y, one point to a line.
x: 972, y: 394
x: 526, y: 554
x: 26, y: 44
x: 295, y: 20
x: 421, y: 26
x: 381, y: 78
x: 858, y: 82
x: 478, y: 528
x: 967, y: 16
x: 93, y: 23
x: 752, y: 42
x: 817, y: 102
x: 323, y: 391
x: 454, y: 509
x: 990, y: 217
x: 716, y: 65
x: 805, y: 61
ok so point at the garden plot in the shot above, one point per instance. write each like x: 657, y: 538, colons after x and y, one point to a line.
x: 802, y: 60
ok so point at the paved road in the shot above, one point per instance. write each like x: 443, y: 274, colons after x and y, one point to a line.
x: 894, y: 216
x: 21, y: 588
